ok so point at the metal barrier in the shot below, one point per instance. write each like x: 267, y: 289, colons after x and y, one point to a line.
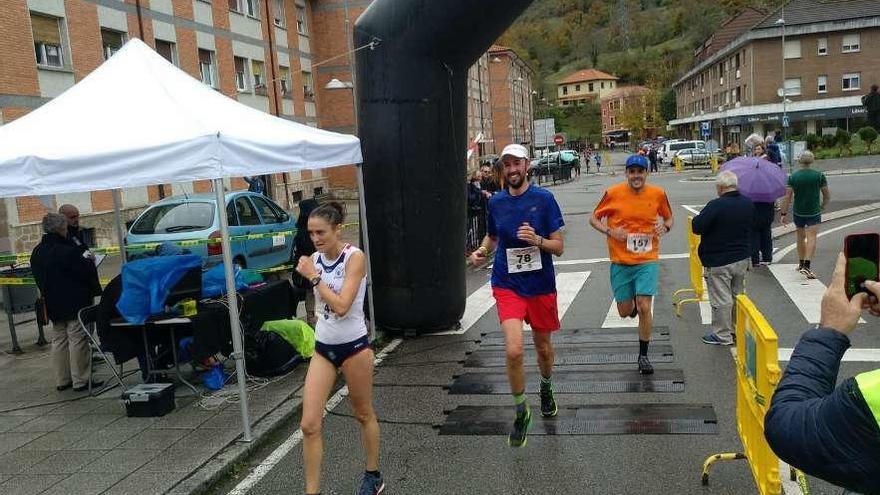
x: 757, y: 374
x: 695, y: 272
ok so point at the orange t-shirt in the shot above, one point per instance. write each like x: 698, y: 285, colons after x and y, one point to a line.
x: 636, y: 213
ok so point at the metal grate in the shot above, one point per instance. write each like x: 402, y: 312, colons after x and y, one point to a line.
x: 574, y: 382
x: 585, y: 336
x: 575, y: 355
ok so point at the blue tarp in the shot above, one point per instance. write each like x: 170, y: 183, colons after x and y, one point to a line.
x: 146, y: 284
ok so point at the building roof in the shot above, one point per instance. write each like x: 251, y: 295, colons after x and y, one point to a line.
x: 799, y: 12
x: 729, y: 31
x: 626, y: 92
x: 586, y: 75
x: 499, y: 48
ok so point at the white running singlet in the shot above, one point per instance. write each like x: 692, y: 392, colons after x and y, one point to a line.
x: 332, y: 329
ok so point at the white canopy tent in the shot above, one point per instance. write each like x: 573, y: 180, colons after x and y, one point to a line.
x: 138, y: 120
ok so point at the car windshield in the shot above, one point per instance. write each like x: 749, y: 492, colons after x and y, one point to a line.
x: 175, y: 217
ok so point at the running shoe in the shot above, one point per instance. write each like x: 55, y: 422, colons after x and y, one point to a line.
x: 808, y: 273
x: 371, y: 485
x: 548, y: 402
x: 712, y: 339
x: 645, y: 367
x: 517, y: 437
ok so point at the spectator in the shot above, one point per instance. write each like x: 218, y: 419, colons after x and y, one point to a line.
x: 762, y: 239
x: 303, y: 246
x: 652, y: 157
x: 598, y: 160
x: 871, y: 101
x: 805, y: 186
x: 256, y: 184
x: 75, y: 236
x: 475, y: 194
x: 777, y: 136
x: 725, y: 227
x: 829, y: 432
x: 488, y: 181
x: 64, y: 276
x: 772, y: 150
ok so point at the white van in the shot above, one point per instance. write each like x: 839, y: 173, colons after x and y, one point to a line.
x: 670, y: 148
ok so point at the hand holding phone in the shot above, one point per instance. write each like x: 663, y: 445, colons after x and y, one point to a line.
x: 862, y: 253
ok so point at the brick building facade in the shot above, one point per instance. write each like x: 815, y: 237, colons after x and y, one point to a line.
x: 614, y: 104
x: 511, y: 86
x: 831, y: 59
x: 588, y: 85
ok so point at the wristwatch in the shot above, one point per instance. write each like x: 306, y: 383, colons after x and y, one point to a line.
x: 315, y: 280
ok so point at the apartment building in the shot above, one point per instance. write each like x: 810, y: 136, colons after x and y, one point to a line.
x: 830, y: 56
x: 480, y: 114
x: 511, y: 87
x: 615, y: 104
x: 588, y: 85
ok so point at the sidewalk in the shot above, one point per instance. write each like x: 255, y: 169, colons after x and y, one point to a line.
x: 68, y: 443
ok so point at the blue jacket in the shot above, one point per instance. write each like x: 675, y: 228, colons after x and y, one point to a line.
x: 773, y: 153
x: 827, y: 432
x: 725, y: 227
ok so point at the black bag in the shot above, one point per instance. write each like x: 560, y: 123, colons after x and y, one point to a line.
x: 268, y: 354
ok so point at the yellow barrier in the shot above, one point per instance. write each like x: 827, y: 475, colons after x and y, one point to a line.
x: 677, y: 163
x: 757, y: 374
x: 713, y: 162
x: 695, y: 272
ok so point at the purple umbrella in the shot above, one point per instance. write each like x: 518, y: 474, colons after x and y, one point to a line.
x: 759, y: 180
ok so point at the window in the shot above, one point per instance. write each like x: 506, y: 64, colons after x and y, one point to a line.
x: 852, y: 81
x: 267, y: 213
x: 301, y: 26
x: 175, y: 217
x: 112, y: 41
x: 249, y: 7
x: 822, y: 46
x: 206, y: 67
x: 851, y: 43
x: 590, y: 87
x: 565, y: 90
x: 258, y: 70
x: 240, y: 73
x: 285, y: 80
x: 577, y: 87
x: 47, y: 40
x: 602, y: 85
x: 822, y: 84
x: 247, y: 215
x: 279, y: 13
x: 167, y: 50
x: 308, y: 85
x: 793, y: 49
x: 793, y: 86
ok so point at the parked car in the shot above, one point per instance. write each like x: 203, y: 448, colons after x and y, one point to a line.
x: 669, y: 148
x: 549, y: 163
x: 694, y: 156
x: 195, y: 216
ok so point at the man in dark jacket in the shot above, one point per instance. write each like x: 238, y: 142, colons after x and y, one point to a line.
x: 64, y: 276
x: 75, y: 236
x: 827, y: 432
x: 725, y: 227
x: 871, y: 101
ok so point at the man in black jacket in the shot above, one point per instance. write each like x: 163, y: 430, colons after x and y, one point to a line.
x: 827, y: 432
x: 871, y: 101
x: 65, y: 279
x: 725, y: 227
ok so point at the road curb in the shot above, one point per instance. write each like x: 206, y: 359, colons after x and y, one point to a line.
x: 782, y: 230
x: 202, y: 479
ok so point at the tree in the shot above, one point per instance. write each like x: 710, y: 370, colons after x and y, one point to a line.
x: 868, y: 134
x: 632, y: 116
x: 813, y: 142
x: 668, y: 106
x: 843, y: 139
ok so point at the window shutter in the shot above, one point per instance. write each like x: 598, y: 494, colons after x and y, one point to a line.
x: 204, y: 57
x: 46, y: 29
x: 239, y: 64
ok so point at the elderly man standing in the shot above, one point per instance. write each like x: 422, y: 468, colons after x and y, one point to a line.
x: 75, y: 236
x: 725, y: 227
x: 65, y: 277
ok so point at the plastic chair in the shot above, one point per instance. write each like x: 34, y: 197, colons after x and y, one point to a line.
x: 88, y: 316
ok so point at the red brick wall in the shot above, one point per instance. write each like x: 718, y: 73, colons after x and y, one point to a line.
x: 134, y: 27
x: 19, y: 65
x: 223, y: 52
x: 102, y: 201
x: 187, y: 50
x: 85, y: 38
x: 202, y: 186
x: 31, y: 210
x: 499, y: 73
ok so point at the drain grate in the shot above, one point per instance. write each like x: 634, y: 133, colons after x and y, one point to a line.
x: 631, y: 419
x: 584, y: 336
x: 575, y: 355
x: 574, y: 382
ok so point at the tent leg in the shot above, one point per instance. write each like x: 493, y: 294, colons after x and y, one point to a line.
x: 232, y: 299
x: 365, y: 236
x: 120, y: 231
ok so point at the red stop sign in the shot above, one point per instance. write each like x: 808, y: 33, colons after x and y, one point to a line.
x: 558, y: 140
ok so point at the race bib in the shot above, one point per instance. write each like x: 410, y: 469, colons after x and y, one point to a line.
x: 639, y: 243
x: 523, y: 259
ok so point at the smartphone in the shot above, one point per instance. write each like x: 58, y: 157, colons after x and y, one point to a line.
x: 862, y: 253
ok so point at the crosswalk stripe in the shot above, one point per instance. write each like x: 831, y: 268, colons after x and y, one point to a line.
x: 613, y: 319
x: 568, y: 285
x: 806, y: 294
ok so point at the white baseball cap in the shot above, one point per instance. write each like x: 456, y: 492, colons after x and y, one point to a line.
x: 516, y: 150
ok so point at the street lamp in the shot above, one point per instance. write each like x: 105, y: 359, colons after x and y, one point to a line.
x: 783, y: 93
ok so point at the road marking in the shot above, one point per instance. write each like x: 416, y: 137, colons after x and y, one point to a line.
x: 568, y: 285
x: 784, y: 251
x: 851, y: 355
x: 693, y: 208
x: 806, y: 294
x: 614, y: 320
x: 279, y: 453
x: 789, y: 487
x: 593, y: 261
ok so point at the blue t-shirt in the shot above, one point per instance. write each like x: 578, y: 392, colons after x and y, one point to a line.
x: 507, y: 213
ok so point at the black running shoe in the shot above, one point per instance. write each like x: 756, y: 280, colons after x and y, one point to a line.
x: 517, y: 437
x: 548, y: 402
x: 645, y: 367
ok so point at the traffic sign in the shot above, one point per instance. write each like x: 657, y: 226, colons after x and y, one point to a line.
x: 558, y: 140
x: 785, y: 121
x: 706, y: 129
